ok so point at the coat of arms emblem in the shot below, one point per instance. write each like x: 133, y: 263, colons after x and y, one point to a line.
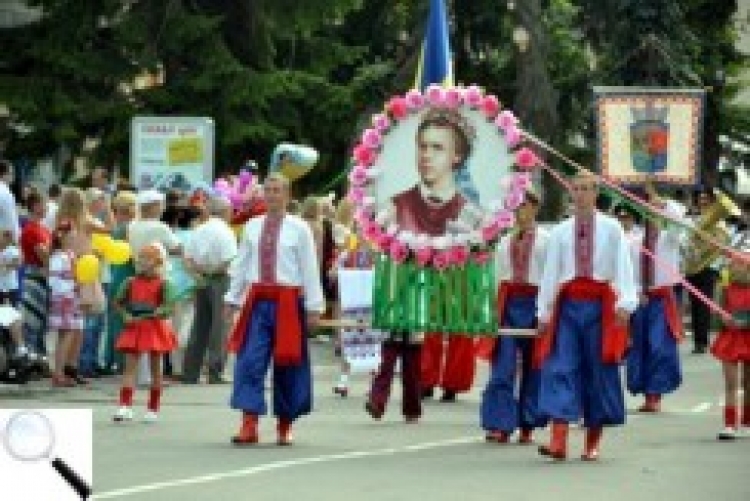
x: 649, y: 139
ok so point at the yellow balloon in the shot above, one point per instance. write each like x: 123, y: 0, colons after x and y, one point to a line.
x: 87, y: 269
x: 118, y: 252
x: 352, y: 242
x: 724, y: 277
x: 101, y: 242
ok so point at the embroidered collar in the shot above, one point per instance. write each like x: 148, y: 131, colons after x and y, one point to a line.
x: 434, y: 196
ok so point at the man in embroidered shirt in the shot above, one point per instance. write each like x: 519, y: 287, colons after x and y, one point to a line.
x: 520, y: 261
x: 586, y: 295
x: 653, y: 366
x: 276, y: 276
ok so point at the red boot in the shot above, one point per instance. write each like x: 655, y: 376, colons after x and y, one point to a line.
x: 248, y: 431
x: 526, y: 436
x: 497, y: 437
x: 558, y: 447
x: 284, y: 429
x: 591, y: 449
x: 652, y: 404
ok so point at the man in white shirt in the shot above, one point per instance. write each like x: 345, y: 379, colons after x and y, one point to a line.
x: 8, y: 210
x: 520, y: 262
x: 208, y: 254
x: 586, y: 295
x: 653, y: 365
x: 276, y: 282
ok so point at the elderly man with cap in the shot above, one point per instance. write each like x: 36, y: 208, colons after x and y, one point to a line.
x: 520, y: 262
x: 208, y: 254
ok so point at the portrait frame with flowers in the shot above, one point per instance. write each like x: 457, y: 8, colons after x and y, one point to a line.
x: 510, y: 165
x: 440, y: 280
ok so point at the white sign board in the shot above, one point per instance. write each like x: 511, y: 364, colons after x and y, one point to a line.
x: 171, y: 152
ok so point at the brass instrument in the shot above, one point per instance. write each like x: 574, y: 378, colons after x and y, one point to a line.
x: 700, y: 252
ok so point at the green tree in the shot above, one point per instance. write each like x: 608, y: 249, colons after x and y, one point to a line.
x: 673, y: 44
x: 61, y: 78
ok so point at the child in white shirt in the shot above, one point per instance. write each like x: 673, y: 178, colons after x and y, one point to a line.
x: 65, y: 313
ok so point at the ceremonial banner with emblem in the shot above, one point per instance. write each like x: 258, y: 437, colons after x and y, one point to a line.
x: 647, y: 133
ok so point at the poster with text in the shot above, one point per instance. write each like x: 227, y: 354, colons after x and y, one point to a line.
x: 171, y: 153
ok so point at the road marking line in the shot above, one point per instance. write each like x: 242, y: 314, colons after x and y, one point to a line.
x: 278, y: 465
x: 701, y: 407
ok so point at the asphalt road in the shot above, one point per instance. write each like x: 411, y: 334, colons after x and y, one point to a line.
x: 341, y: 454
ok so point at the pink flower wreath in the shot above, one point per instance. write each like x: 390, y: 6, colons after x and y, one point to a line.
x: 443, y: 251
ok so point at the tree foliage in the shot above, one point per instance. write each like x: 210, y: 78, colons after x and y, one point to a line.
x: 311, y: 72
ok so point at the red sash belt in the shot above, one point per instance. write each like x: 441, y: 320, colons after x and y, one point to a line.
x: 671, y: 311
x: 614, y: 336
x: 288, y: 344
x: 484, y: 347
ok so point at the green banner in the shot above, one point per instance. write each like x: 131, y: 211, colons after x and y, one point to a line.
x: 458, y: 300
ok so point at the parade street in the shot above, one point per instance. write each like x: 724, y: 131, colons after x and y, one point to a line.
x: 340, y: 453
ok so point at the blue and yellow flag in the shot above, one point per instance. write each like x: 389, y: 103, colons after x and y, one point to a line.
x: 436, y: 61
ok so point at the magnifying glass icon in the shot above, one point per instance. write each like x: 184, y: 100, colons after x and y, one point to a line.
x: 29, y: 437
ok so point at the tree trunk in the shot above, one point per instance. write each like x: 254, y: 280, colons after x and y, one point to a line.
x: 536, y: 98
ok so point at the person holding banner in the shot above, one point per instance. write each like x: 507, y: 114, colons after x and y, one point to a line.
x: 653, y: 364
x: 520, y: 262
x: 275, y: 285
x: 359, y: 346
x: 586, y: 295
x: 443, y: 145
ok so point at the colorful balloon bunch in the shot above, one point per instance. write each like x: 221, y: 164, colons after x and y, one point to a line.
x: 245, y: 195
x: 115, y: 252
x: 239, y: 191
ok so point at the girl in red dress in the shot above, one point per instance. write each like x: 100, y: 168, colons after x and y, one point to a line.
x: 732, y: 347
x: 142, y: 301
